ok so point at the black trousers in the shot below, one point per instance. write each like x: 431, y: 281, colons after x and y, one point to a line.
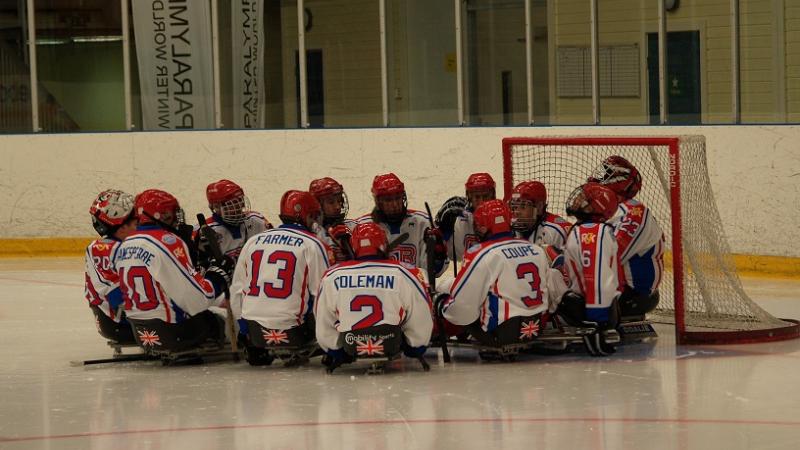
x: 120, y: 332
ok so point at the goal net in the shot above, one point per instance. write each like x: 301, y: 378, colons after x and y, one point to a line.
x: 700, y: 291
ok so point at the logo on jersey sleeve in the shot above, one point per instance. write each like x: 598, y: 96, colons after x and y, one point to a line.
x: 636, y: 211
x: 149, y: 338
x: 588, y: 238
x: 168, y: 239
x: 179, y: 253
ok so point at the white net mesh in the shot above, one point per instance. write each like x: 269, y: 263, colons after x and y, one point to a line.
x: 713, y: 296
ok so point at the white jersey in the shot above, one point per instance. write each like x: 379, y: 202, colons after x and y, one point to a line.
x: 552, y: 230
x: 361, y: 294
x: 231, y: 238
x: 591, y: 259
x: 101, y: 283
x: 277, y: 276
x: 640, y: 243
x: 463, y: 236
x: 322, y: 233
x: 157, y: 278
x: 502, y: 278
x: 412, y: 251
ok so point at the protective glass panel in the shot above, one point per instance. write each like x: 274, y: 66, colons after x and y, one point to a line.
x: 15, y: 85
x: 571, y: 96
x: 421, y: 57
x: 496, y: 86
x: 80, y: 68
x: 761, y: 58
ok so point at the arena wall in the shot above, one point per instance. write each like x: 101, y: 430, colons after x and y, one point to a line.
x: 47, y: 182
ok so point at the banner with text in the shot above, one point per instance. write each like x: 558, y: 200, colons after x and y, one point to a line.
x: 247, y: 24
x: 173, y: 51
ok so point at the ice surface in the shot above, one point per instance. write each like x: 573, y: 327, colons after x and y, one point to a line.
x: 646, y: 396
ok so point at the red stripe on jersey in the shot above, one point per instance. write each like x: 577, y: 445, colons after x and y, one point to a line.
x: 402, y: 313
x: 163, y: 301
x: 302, y: 297
x: 506, y: 310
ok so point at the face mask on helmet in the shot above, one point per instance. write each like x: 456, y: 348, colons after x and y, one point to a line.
x: 232, y: 211
x: 619, y: 175
x: 525, y: 214
x: 393, y: 207
x: 334, y: 207
x: 110, y: 210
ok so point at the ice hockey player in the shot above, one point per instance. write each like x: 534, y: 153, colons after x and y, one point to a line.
x: 530, y: 219
x: 362, y: 303
x: 231, y: 218
x: 504, y: 286
x: 592, y: 264
x: 113, y: 219
x: 639, y: 238
x: 335, y: 228
x: 479, y: 188
x: 277, y: 276
x: 166, y: 299
x: 392, y: 214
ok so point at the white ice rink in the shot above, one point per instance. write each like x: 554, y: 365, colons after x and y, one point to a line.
x: 645, y: 397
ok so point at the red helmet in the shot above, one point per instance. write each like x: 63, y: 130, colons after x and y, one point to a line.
x: 494, y: 216
x: 619, y: 175
x: 155, y: 205
x: 227, y: 200
x: 532, y: 191
x: 298, y: 207
x: 387, y: 184
x: 592, y: 202
x: 110, y: 210
x: 479, y: 182
x: 322, y: 187
x: 368, y: 239
x: 528, y: 205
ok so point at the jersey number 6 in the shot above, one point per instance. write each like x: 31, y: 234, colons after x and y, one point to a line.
x: 530, y: 273
x: 286, y: 262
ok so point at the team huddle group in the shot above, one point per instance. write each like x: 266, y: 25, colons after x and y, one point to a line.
x: 153, y: 280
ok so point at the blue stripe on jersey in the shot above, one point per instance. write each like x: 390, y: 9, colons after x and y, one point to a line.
x: 314, y: 239
x: 494, y: 307
x: 115, y: 298
x: 171, y: 257
x: 598, y: 315
x: 643, y: 272
x: 639, y: 232
x: 402, y: 270
x: 472, y: 267
x: 180, y: 315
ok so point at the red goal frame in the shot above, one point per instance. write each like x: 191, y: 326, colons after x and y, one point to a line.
x: 682, y: 335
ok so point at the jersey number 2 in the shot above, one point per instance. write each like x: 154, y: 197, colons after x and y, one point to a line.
x: 530, y: 273
x: 359, y: 302
x: 286, y: 262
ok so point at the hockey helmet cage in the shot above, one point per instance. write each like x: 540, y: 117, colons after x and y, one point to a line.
x: 493, y: 216
x: 532, y: 193
x: 325, y: 188
x: 592, y: 202
x: 368, y: 239
x: 227, y: 200
x: 619, y: 175
x: 110, y: 210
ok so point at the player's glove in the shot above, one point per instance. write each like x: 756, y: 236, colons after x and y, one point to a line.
x: 439, y: 302
x: 219, y: 273
x: 595, y: 342
x: 339, y: 232
x: 434, y: 236
x: 449, y: 212
x: 335, y: 358
x: 414, y: 352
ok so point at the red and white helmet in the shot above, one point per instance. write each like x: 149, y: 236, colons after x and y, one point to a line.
x: 157, y: 206
x: 387, y: 184
x: 110, y: 210
x: 327, y: 188
x: 492, y: 217
x: 385, y: 187
x: 592, y: 202
x: 299, y: 207
x: 619, y: 175
x: 527, y: 195
x: 227, y: 200
x: 368, y: 239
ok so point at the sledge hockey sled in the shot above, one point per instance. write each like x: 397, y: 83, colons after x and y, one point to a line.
x: 195, y: 341
x: 376, y: 345
x: 294, y: 346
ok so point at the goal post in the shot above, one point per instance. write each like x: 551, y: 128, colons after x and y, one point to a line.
x: 700, y: 291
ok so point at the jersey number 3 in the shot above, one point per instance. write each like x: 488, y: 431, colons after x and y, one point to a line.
x: 282, y: 286
x: 530, y: 273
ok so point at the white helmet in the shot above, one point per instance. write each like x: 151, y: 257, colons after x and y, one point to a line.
x: 110, y: 210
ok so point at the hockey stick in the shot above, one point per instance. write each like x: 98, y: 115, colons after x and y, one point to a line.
x: 396, y: 243
x: 216, y: 252
x: 118, y: 359
x: 430, y: 242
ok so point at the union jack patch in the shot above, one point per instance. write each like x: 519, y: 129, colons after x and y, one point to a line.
x: 529, y: 330
x: 370, y: 348
x: 148, y: 337
x: 275, y: 336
